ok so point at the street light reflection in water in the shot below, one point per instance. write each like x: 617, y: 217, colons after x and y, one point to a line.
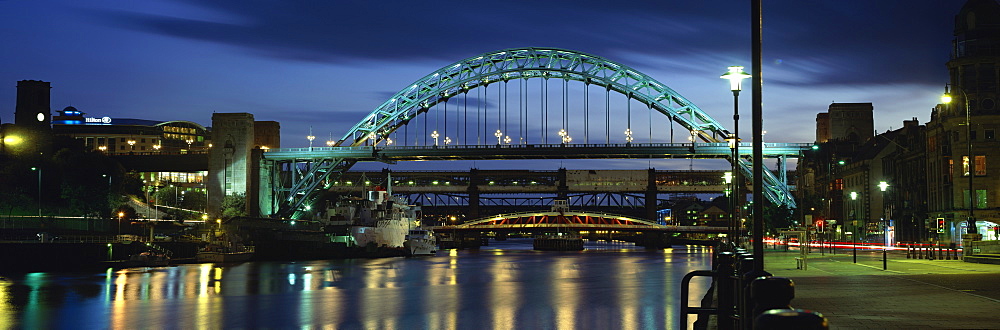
x: 515, y: 287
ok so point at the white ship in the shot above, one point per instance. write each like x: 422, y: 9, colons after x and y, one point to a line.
x: 420, y: 242
x: 380, y: 220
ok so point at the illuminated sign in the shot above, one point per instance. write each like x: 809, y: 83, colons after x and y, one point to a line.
x: 102, y: 120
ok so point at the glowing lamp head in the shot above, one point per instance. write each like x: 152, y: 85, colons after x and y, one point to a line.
x: 882, y: 185
x: 854, y: 195
x: 946, y: 98
x: 735, y: 77
x: 728, y: 176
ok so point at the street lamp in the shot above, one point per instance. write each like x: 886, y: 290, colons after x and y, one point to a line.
x: 735, y: 75
x: 884, y: 186
x: 310, y: 137
x: 565, y: 136
x: 499, y: 135
x: 39, y: 169
x: 854, y: 236
x: 435, y: 136
x: 131, y: 144
x: 628, y: 135
x: 330, y: 142
x: 946, y: 99
x: 120, y: 215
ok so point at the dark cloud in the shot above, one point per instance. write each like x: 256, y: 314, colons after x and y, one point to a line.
x: 836, y: 42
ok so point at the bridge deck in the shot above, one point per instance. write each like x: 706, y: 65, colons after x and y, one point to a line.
x: 532, y: 151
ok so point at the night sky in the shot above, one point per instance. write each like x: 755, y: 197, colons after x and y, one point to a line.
x: 328, y: 63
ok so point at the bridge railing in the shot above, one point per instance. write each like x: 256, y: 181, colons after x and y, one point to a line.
x: 546, y: 145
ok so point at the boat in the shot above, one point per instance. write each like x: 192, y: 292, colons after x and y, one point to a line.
x: 380, y: 221
x: 559, y: 241
x: 217, y: 253
x: 420, y: 242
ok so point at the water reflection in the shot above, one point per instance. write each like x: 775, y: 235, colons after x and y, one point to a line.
x: 506, y: 286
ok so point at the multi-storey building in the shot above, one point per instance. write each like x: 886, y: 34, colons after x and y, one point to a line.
x: 970, y: 121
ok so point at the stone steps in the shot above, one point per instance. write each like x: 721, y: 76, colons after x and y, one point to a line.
x: 986, y: 258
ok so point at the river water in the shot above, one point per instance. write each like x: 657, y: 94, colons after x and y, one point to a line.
x: 503, y: 286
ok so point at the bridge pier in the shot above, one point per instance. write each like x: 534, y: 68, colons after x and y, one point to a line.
x: 473, y: 190
x: 651, y: 194
x: 562, y: 190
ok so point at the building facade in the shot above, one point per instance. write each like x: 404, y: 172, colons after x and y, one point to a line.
x: 970, y: 121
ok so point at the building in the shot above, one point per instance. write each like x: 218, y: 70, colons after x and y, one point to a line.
x: 973, y: 85
x: 127, y: 135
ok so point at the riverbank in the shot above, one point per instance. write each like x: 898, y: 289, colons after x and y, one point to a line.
x: 909, y: 294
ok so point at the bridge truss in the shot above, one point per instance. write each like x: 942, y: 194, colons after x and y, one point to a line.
x: 417, y: 124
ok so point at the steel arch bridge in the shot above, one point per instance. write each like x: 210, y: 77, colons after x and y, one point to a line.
x: 570, y: 220
x: 372, y: 137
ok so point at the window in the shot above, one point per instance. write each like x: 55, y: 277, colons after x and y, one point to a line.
x: 989, y: 134
x: 981, y: 165
x: 972, y: 135
x: 980, y: 198
x: 951, y: 169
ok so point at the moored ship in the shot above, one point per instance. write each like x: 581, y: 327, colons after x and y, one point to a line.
x: 420, y: 242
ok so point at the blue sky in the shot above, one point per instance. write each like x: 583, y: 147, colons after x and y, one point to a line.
x: 326, y: 63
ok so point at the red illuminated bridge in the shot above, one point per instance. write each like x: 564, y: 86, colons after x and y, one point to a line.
x: 575, y: 221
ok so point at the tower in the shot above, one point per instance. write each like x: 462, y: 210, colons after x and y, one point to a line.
x: 32, y: 109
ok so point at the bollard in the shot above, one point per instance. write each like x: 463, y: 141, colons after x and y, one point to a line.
x: 771, y: 293
x: 954, y: 251
x: 791, y: 319
x: 908, y: 248
x: 726, y: 279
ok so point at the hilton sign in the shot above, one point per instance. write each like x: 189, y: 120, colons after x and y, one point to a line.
x: 102, y: 120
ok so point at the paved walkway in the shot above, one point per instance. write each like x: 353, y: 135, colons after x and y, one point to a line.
x: 910, y: 294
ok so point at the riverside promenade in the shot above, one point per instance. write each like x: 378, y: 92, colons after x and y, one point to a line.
x: 910, y: 294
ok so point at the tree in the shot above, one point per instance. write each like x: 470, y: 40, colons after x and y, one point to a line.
x: 234, y: 206
x: 194, y: 200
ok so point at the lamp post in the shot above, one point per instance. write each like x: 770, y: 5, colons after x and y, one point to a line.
x: 435, y: 136
x: 131, y: 144
x: 310, y: 137
x: 735, y: 75
x: 854, y: 236
x: 884, y: 186
x: 499, y: 135
x: 120, y: 215
x: 330, y: 142
x: 946, y: 98
x: 39, y: 169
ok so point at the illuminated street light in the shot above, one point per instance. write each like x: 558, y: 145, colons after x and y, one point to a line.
x: 157, y: 147
x: 131, y: 143
x: 565, y: 136
x: 946, y: 99
x: 447, y: 140
x: 628, y: 135
x: 388, y: 141
x: 310, y: 137
x: 120, y: 215
x: 189, y: 142
x: 330, y: 142
x: 103, y: 148
x: 435, y: 136
x: 499, y: 135
x: 735, y: 75
x: 506, y: 139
